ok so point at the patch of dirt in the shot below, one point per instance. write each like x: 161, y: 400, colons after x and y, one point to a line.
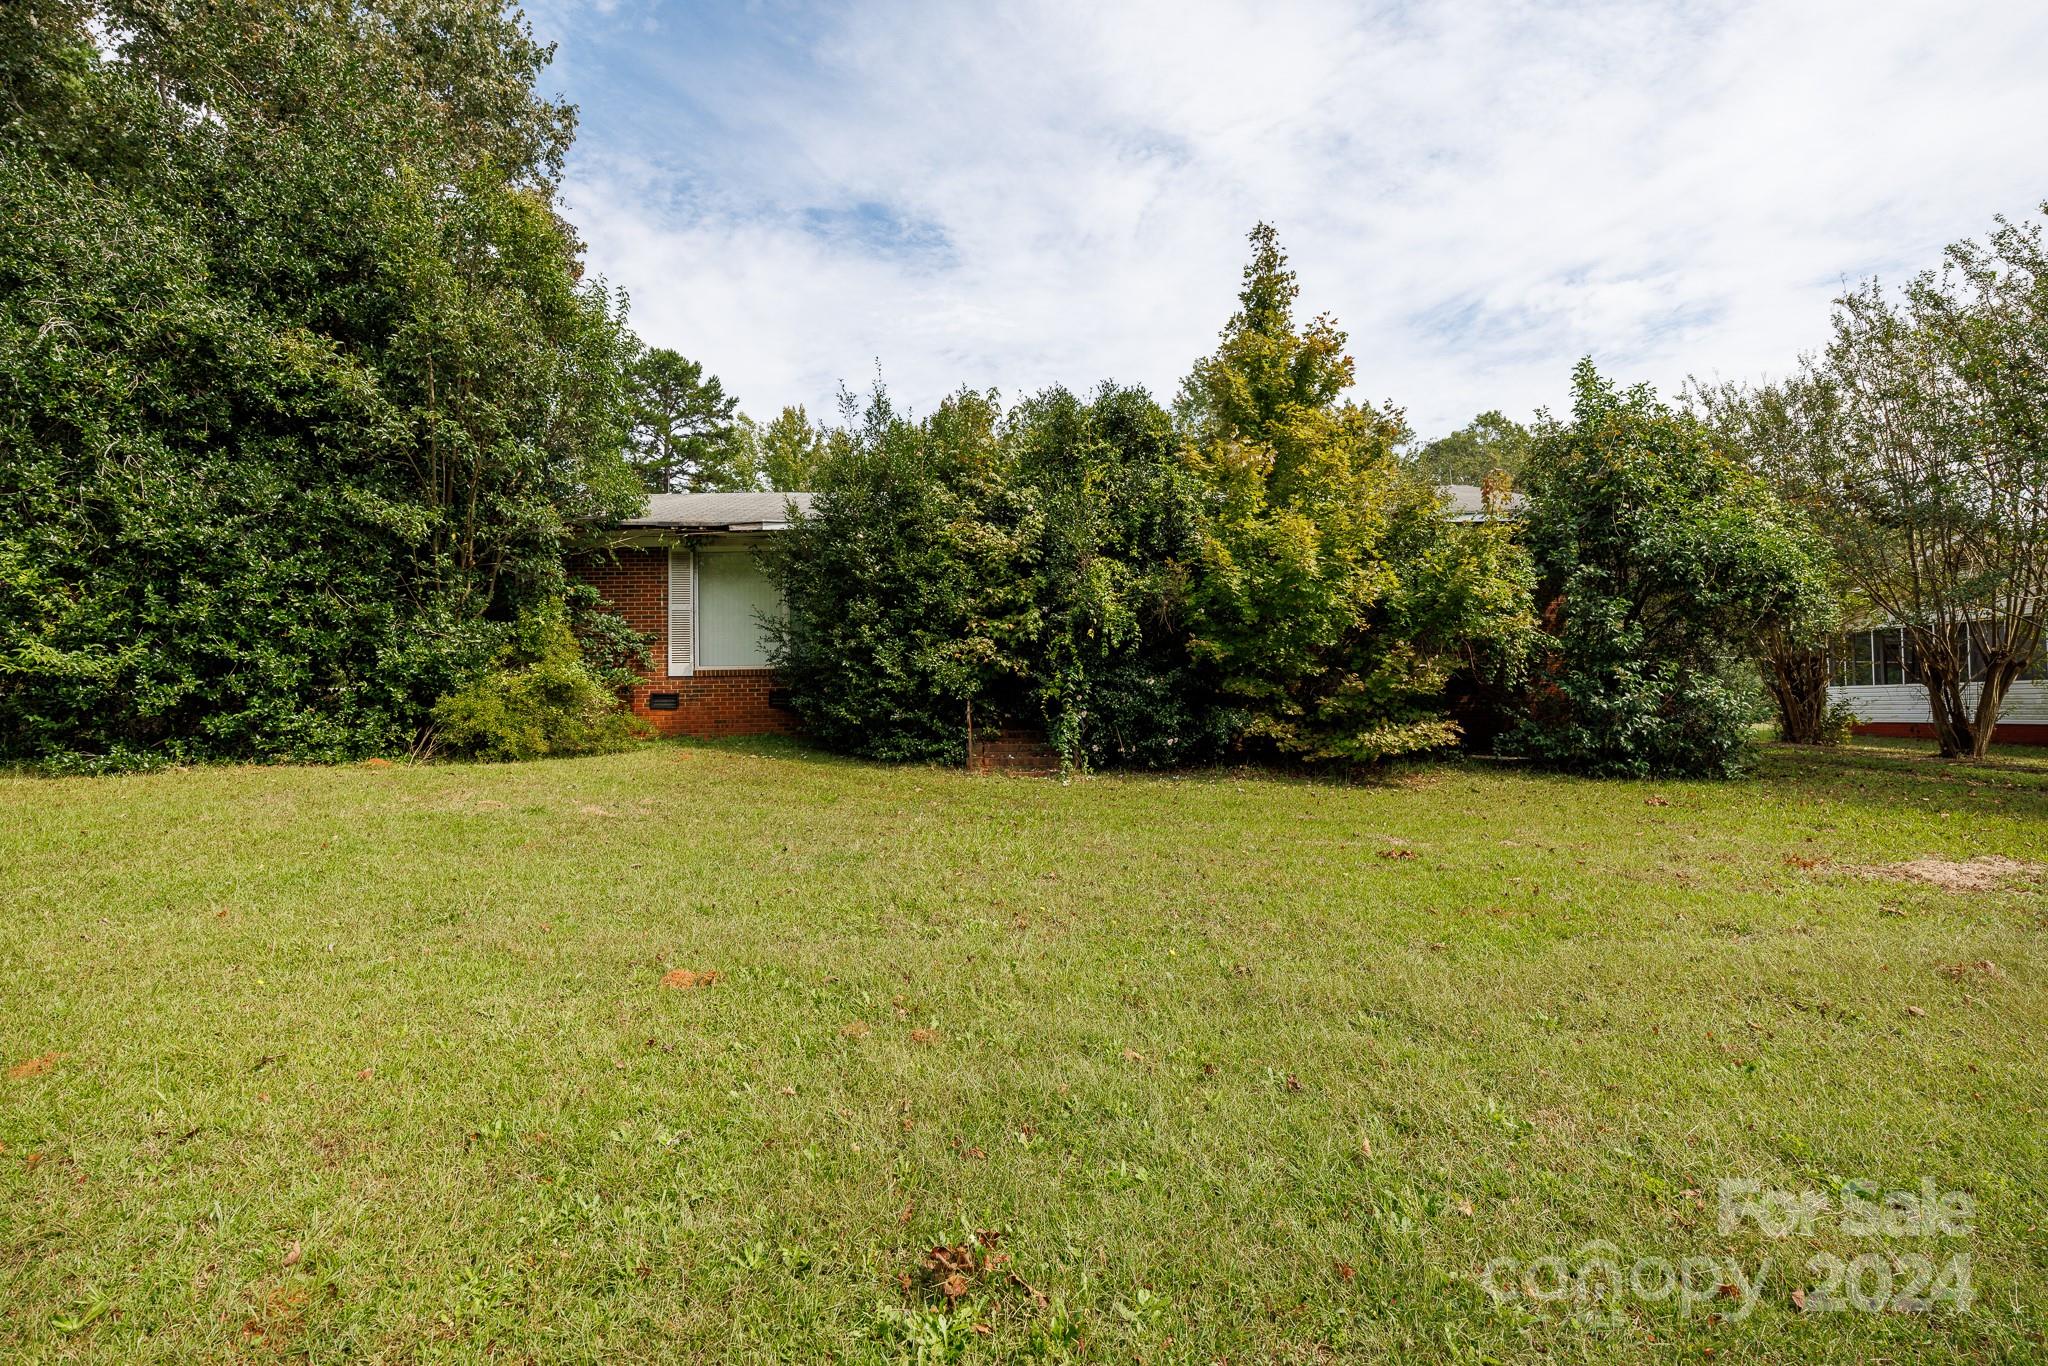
x: 33, y: 1067
x: 1985, y: 873
x: 682, y: 979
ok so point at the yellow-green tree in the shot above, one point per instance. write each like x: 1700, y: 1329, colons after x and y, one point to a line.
x: 1334, y: 599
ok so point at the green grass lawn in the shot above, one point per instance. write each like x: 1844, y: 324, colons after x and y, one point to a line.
x: 377, y: 1063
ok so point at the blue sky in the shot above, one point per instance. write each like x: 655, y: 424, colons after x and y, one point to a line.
x: 1014, y: 195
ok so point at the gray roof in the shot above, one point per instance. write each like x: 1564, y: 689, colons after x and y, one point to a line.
x: 1467, y: 502
x: 720, y: 511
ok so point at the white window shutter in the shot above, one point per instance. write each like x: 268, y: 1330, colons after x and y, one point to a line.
x: 682, y: 613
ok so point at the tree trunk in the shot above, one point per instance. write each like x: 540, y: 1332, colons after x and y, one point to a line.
x: 1798, y: 684
x: 1952, y: 729
x: 1998, y: 678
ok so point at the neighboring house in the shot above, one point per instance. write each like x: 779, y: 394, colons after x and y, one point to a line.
x: 684, y: 574
x: 1467, y: 502
x: 1875, y: 681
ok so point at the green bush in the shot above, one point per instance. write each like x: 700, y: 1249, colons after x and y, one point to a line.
x: 541, y: 699
x: 1030, y: 567
x: 1836, y: 724
x: 300, y: 402
x: 1662, y: 561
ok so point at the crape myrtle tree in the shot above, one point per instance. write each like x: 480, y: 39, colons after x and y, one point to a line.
x: 1333, y: 599
x: 1933, y: 484
x: 1660, y: 557
x: 301, y: 390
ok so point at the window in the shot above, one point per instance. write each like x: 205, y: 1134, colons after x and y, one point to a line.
x: 732, y: 597
x: 1872, y: 658
x: 1888, y: 656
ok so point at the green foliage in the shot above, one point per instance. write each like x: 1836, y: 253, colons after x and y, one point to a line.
x: 1661, y: 560
x: 1334, y: 599
x: 687, y: 436
x: 300, y: 401
x: 793, y: 451
x: 1150, y: 592
x: 1022, y: 567
x: 1489, y: 446
x: 541, y: 698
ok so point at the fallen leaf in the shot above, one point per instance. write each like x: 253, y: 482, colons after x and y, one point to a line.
x: 1465, y: 1208
x: 366, y: 1074
x: 1346, y: 1271
x: 1293, y: 1082
x: 376, y: 763
x: 924, y: 1036
x: 1915, y: 1011
x: 1133, y: 1055
x: 904, y: 1217
x: 33, y: 1067
x: 1365, y: 1147
x: 294, y: 1254
x: 1799, y: 1300
x: 1983, y: 967
x: 1398, y: 854
x: 682, y: 979
x: 1656, y: 801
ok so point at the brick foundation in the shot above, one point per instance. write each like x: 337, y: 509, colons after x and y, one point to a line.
x: 634, y: 583
x: 2005, y: 733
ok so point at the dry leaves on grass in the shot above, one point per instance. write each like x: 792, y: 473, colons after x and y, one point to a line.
x: 953, y: 1269
x: 924, y: 1036
x: 1962, y: 972
x: 33, y: 1067
x: 1398, y: 854
x: 1985, y: 873
x: 683, y: 979
x: 857, y: 1030
x: 1656, y: 801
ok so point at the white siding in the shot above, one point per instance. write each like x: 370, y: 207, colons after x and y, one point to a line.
x: 2026, y: 702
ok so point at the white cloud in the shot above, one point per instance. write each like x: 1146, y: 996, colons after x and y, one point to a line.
x: 1026, y: 194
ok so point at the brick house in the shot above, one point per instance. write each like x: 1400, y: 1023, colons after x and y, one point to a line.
x: 684, y: 573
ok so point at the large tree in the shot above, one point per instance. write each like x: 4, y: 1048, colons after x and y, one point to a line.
x: 301, y: 391
x: 1933, y: 482
x: 1334, y: 600
x: 793, y: 451
x: 1489, y: 447
x: 688, y: 436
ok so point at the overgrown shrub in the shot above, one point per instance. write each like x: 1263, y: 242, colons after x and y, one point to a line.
x: 301, y: 394
x: 1661, y: 561
x: 1028, y: 568
x: 541, y: 698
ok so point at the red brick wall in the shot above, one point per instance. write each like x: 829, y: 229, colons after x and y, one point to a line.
x: 634, y: 583
x: 2004, y: 733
